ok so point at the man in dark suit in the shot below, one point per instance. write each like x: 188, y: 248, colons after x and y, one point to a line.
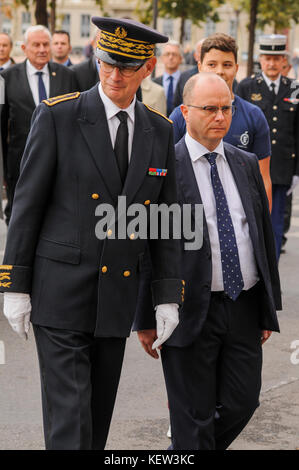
x: 61, y: 47
x: 83, y: 152
x: 5, y: 49
x: 26, y: 84
x: 171, y: 58
x: 277, y: 97
x: 212, y: 362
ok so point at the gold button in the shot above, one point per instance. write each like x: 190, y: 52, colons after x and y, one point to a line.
x: 127, y: 273
x: 183, y: 282
x: 273, y: 141
x: 275, y: 118
x: 293, y: 155
x: 104, y: 269
x: 274, y: 130
x: 132, y: 236
x: 275, y: 107
x: 109, y: 233
x: 95, y: 196
x: 291, y: 109
x: 147, y: 202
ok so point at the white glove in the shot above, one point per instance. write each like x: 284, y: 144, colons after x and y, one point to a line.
x: 167, y: 318
x: 17, y: 309
x: 295, y: 181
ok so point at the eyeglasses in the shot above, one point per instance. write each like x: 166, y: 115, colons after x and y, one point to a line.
x: 124, y: 71
x: 210, y: 110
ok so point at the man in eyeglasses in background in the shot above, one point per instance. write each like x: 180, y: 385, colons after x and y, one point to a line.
x: 80, y: 290
x: 212, y: 362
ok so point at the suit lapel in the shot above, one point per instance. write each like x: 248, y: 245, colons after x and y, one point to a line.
x: 141, y: 153
x: 26, y: 90
x: 187, y: 181
x: 55, y: 80
x: 94, y: 127
x: 238, y: 169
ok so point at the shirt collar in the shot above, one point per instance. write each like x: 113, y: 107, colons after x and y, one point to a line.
x: 6, y: 64
x: 268, y: 81
x: 175, y: 75
x: 197, y: 150
x: 112, y: 109
x: 32, y: 70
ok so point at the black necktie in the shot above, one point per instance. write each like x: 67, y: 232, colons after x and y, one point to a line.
x: 272, y: 91
x: 121, y: 145
x: 41, y: 87
x: 170, y: 95
x: 231, y: 271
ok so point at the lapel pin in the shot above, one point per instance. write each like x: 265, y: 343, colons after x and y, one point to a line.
x: 54, y: 74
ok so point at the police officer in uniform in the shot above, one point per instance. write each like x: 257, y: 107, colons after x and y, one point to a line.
x: 80, y: 289
x: 276, y: 95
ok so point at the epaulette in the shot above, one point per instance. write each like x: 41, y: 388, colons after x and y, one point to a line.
x: 157, y: 112
x: 61, y: 98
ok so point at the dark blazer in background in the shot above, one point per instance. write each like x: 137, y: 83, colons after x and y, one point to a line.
x: 86, y: 73
x: 178, y: 94
x: 197, y: 265
x: 17, y: 112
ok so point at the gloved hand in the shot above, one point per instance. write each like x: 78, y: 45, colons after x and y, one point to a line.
x: 17, y: 309
x: 167, y: 319
x: 295, y: 181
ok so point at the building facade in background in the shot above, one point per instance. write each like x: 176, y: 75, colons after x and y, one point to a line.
x: 75, y: 17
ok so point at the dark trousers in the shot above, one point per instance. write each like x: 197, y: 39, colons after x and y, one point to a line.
x: 79, y: 381
x: 279, y: 192
x: 213, y: 385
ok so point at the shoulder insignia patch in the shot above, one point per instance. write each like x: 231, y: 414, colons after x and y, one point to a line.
x: 157, y: 112
x: 61, y: 98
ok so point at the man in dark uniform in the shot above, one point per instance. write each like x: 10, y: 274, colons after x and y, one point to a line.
x: 83, y: 150
x: 278, y: 99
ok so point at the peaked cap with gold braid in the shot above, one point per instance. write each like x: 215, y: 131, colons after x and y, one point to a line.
x: 125, y: 42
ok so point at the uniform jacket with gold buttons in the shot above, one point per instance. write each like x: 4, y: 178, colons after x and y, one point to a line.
x: 283, y: 118
x: 77, y: 281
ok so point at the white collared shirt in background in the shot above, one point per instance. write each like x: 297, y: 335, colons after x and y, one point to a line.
x: 33, y: 80
x: 202, y: 170
x: 269, y: 82
x: 5, y: 65
x: 111, y: 110
x: 165, y: 82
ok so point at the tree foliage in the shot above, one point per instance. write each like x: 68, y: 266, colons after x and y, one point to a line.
x: 277, y: 13
x: 194, y: 10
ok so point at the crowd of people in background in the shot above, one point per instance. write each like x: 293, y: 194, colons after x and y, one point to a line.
x: 250, y: 126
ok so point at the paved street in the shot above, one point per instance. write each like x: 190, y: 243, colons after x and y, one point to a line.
x: 141, y: 416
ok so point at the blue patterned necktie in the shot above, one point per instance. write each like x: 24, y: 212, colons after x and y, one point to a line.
x: 232, y: 276
x: 170, y: 95
x: 41, y: 87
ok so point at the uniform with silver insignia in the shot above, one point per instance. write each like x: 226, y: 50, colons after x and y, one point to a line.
x: 282, y: 113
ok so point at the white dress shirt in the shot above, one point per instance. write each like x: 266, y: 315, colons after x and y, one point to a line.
x: 5, y: 65
x: 202, y: 170
x: 269, y: 82
x: 111, y: 109
x: 33, y: 80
